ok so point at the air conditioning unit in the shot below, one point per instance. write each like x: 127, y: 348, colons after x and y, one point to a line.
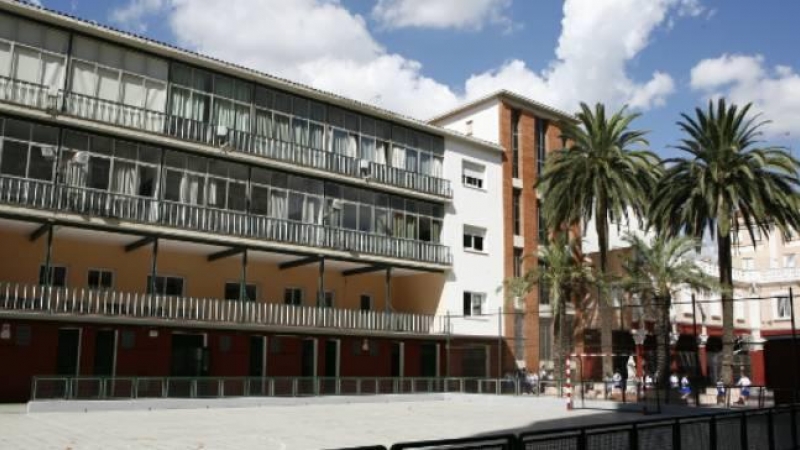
x: 81, y: 158
x: 48, y: 152
x: 336, y: 205
x: 51, y: 100
x: 364, y: 168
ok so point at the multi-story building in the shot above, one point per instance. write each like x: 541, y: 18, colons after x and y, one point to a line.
x: 527, y: 131
x: 165, y: 213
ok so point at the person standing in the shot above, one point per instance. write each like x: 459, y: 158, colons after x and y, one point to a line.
x: 744, y: 384
x: 673, y: 380
x: 686, y: 388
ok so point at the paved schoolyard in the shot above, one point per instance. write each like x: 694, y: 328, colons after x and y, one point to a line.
x: 311, y: 425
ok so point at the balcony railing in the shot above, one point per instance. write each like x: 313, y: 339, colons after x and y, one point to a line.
x: 29, y: 94
x: 17, y: 297
x: 93, y: 108
x: 46, y: 195
x: 776, y: 275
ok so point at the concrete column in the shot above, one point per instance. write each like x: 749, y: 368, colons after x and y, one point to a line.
x: 756, y: 349
x: 702, y: 340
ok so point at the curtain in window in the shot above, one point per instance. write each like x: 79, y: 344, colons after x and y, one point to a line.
x: 5, y: 61
x: 436, y: 231
x: 263, y: 129
x: 216, y: 193
x: 84, y: 82
x: 411, y: 160
x: 191, y: 189
x: 224, y: 113
x: 133, y: 91
x: 398, y: 157
x: 181, y: 103
x: 381, y: 222
x: 155, y: 100
x: 339, y: 142
x: 124, y: 178
x: 27, y: 64
x: 312, y: 210
x: 300, y: 135
x: 282, y: 133
x: 277, y: 210
x: 317, y: 136
x: 108, y: 84
x: 411, y: 227
x: 352, y: 146
x: 380, y: 152
x: 436, y: 167
x: 52, y: 70
x: 425, y: 164
x: 243, y: 118
x: 368, y: 149
x: 398, y: 224
x: 76, y: 171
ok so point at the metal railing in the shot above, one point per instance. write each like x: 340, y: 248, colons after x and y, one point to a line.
x: 93, y: 108
x: 86, y: 388
x: 20, y: 297
x: 29, y: 94
x: 766, y: 429
x: 47, y: 195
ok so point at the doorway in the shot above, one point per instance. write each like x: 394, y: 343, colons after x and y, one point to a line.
x: 104, y: 353
x: 331, y: 369
x: 428, y: 360
x: 397, y: 360
x: 68, y: 353
x: 308, y: 358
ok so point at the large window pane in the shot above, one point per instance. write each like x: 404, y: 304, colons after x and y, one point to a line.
x: 41, y: 166
x: 365, y: 218
x: 350, y: 216
x: 99, y: 171
x: 27, y: 65
x: 14, y: 158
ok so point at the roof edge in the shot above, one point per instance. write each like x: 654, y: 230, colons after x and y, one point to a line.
x: 163, y: 49
x: 504, y: 94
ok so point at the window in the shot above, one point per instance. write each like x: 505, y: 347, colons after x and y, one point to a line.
x: 58, y: 276
x: 545, y: 339
x: 473, y: 303
x: 233, y: 291
x: 783, y: 308
x: 517, y: 262
x: 469, y: 128
x: 473, y: 238
x: 748, y: 264
x: 293, y: 296
x: 327, y: 300
x: 165, y: 285
x: 541, y: 224
x: 789, y: 260
x: 541, y: 144
x: 100, y: 279
x: 365, y: 302
x: 28, y: 150
x: 515, y: 144
x: 472, y: 174
x: 544, y: 289
x: 516, y: 211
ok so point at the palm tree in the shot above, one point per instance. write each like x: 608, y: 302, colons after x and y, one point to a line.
x: 727, y: 181
x: 655, y: 270
x: 567, y: 278
x: 605, y: 172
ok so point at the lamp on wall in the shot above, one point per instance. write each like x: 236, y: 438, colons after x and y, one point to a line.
x: 365, y: 345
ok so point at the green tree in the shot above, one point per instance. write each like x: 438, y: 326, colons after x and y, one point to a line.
x: 604, y: 172
x: 567, y: 277
x: 654, y: 271
x: 727, y: 181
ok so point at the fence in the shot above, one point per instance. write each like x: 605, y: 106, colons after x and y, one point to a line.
x: 765, y: 429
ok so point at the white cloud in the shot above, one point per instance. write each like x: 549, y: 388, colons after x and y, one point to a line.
x: 592, y: 57
x: 35, y: 2
x: 459, y: 14
x: 775, y: 91
x: 322, y: 44
x: 132, y: 15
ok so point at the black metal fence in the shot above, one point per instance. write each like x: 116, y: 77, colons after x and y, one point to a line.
x: 760, y: 429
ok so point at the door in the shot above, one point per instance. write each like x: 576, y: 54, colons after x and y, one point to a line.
x: 69, y: 340
x: 397, y: 354
x: 104, y: 353
x: 308, y: 358
x: 189, y: 358
x: 428, y: 360
x: 256, y: 356
x: 331, y: 365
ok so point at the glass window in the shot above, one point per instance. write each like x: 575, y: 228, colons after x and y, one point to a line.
x: 515, y: 144
x: 472, y: 175
x: 516, y: 211
x: 165, y: 285
x: 473, y: 238
x: 57, y: 278
x: 784, y: 307
x: 293, y: 296
x: 473, y: 303
x: 14, y: 158
x: 233, y: 291
x: 365, y: 302
x: 100, y: 279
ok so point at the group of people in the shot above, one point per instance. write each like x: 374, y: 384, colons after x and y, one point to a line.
x: 685, y: 388
x: 531, y: 382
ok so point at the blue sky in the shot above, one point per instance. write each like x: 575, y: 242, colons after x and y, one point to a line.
x: 423, y: 56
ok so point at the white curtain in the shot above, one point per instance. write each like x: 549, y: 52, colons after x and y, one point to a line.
x: 5, y: 60
x: 277, y: 210
x: 368, y: 149
x: 312, y: 211
x: 76, y: 173
x: 125, y: 178
x: 300, y: 132
x: 436, y: 168
x: 133, y: 90
x: 52, y: 70
x: 155, y: 100
x: 282, y: 134
x: 27, y: 64
x: 398, y: 157
x: 352, y: 146
x: 380, y: 152
x: 243, y: 118
x: 216, y: 194
x: 108, y: 84
x: 191, y: 186
x: 425, y: 165
x: 317, y: 136
x: 263, y: 129
x: 339, y: 142
x: 224, y: 113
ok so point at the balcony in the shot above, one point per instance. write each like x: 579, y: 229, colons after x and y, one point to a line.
x: 84, y: 303
x: 92, y: 108
x: 777, y: 275
x: 53, y: 196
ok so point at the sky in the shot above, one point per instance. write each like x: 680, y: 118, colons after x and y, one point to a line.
x: 423, y: 57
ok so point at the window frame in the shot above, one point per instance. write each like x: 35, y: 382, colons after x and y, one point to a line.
x: 786, y: 309
x: 296, y: 300
x: 370, y: 302
x: 100, y: 272
x: 238, y: 284
x: 474, y: 306
x: 474, y: 239
x: 165, y: 278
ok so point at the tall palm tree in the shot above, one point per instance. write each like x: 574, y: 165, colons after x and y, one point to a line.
x: 655, y: 270
x: 726, y: 181
x: 605, y: 172
x: 567, y: 277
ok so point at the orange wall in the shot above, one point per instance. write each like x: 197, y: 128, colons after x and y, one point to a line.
x: 207, y: 279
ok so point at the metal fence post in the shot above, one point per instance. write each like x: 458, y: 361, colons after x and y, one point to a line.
x: 794, y: 426
x: 676, y: 435
x: 744, y: 430
x: 712, y: 432
x: 633, y: 438
x: 770, y: 430
x: 35, y: 386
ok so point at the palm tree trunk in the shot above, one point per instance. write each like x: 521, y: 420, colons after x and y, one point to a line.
x: 726, y: 281
x: 558, y: 347
x: 606, y: 311
x: 662, y: 330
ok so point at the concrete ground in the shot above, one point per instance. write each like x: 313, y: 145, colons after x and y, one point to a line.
x: 310, y: 425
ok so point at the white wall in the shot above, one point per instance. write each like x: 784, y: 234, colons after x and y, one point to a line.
x: 472, y: 271
x: 616, y: 233
x: 485, y: 121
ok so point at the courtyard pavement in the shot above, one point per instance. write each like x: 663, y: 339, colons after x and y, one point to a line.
x: 302, y: 426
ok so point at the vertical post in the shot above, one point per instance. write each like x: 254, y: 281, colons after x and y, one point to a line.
x: 154, y: 268
x: 499, y: 343
x: 666, y: 350
x: 698, y: 369
x: 321, y: 283
x: 796, y: 359
x: 48, y: 258
x: 568, y: 383
x: 243, y: 282
x: 388, y: 293
x: 447, y: 348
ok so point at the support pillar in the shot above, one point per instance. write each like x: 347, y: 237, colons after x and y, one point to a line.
x: 639, y: 336
x: 154, y: 268
x: 243, y: 282
x: 702, y: 340
x: 388, y: 294
x: 48, y: 258
x: 321, y: 284
x: 757, y: 372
